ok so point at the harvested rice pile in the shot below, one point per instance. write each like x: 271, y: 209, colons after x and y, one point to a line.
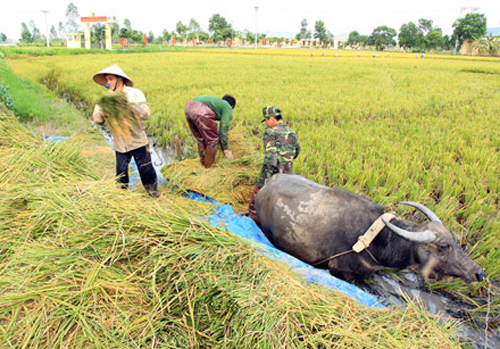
x: 229, y: 182
x: 122, y: 119
x: 84, y: 264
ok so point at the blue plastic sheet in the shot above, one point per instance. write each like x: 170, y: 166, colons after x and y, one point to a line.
x: 246, y: 228
x: 134, y: 177
x: 225, y: 218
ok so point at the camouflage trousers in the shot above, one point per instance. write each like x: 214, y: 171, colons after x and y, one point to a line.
x: 266, y: 172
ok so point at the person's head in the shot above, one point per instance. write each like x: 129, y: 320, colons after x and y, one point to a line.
x: 114, y: 82
x: 230, y: 99
x: 271, y: 115
x: 113, y: 77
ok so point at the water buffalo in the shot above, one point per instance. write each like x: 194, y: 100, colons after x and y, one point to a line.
x: 313, y: 222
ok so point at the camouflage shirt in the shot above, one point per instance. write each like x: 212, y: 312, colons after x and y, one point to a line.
x: 281, y: 146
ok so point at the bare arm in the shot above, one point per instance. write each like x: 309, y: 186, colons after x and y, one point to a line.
x: 98, y: 115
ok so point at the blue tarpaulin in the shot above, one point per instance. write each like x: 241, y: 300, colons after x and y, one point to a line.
x: 225, y: 218
x: 247, y: 229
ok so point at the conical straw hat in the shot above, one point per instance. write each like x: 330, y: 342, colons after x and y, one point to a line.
x: 100, y: 77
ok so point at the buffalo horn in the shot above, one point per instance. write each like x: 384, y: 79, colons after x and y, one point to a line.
x: 427, y: 212
x: 420, y: 237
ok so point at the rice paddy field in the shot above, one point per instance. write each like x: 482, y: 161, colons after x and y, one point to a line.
x: 81, y: 268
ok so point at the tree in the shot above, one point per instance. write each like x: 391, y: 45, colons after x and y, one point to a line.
x: 487, y: 44
x: 194, y: 29
x: 137, y: 36
x: 3, y: 37
x: 434, y: 39
x: 320, y: 31
x: 383, y: 37
x: 127, y: 24
x: 203, y: 36
x: 115, y: 30
x: 449, y: 42
x: 220, y: 29
x: 166, y: 35
x: 304, y: 33
x: 151, y: 37
x: 473, y: 25
x: 248, y: 36
x: 61, y: 31
x: 98, y: 34
x: 53, y: 33
x: 125, y: 33
x: 181, y: 30
x: 353, y: 39
x: 357, y: 40
x: 410, y: 36
x: 36, y: 35
x: 72, y: 18
x: 25, y: 33
x: 425, y: 26
x: 329, y: 38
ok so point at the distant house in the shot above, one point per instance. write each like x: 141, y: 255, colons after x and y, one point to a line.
x: 467, y: 46
x: 74, y: 40
x: 340, y: 39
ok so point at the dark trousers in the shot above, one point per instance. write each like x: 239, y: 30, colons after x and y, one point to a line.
x: 142, y: 158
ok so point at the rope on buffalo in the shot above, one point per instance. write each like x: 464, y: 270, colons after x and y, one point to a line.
x: 364, y: 240
x: 342, y: 254
x: 332, y: 257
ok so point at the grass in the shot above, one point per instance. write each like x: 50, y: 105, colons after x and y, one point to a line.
x: 34, y: 51
x: 38, y: 108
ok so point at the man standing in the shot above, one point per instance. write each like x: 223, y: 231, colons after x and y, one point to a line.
x: 201, y: 114
x: 136, y: 146
x: 281, y: 147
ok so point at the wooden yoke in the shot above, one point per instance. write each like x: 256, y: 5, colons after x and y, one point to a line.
x: 366, y: 239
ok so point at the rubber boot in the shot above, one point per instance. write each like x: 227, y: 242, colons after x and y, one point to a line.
x: 209, y: 157
x: 201, y: 152
x: 152, y: 190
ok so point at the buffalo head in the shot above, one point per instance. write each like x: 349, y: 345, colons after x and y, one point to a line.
x: 437, y: 250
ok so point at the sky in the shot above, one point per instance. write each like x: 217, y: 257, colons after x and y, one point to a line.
x: 271, y: 15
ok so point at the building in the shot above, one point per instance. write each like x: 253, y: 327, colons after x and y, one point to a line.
x: 74, y: 40
x: 468, y: 48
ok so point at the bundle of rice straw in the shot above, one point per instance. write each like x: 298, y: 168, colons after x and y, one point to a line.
x: 122, y: 119
x: 229, y: 182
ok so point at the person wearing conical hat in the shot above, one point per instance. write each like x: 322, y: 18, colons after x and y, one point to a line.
x: 136, y: 146
x: 281, y: 147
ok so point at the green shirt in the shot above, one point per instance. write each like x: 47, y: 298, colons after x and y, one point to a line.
x: 223, y: 113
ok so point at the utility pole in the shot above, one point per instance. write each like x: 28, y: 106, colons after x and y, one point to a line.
x: 46, y: 28
x: 256, y: 8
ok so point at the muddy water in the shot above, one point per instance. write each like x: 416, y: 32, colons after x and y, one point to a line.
x: 391, y: 289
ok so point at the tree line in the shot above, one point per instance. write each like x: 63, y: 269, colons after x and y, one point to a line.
x: 423, y: 36
x: 419, y: 37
